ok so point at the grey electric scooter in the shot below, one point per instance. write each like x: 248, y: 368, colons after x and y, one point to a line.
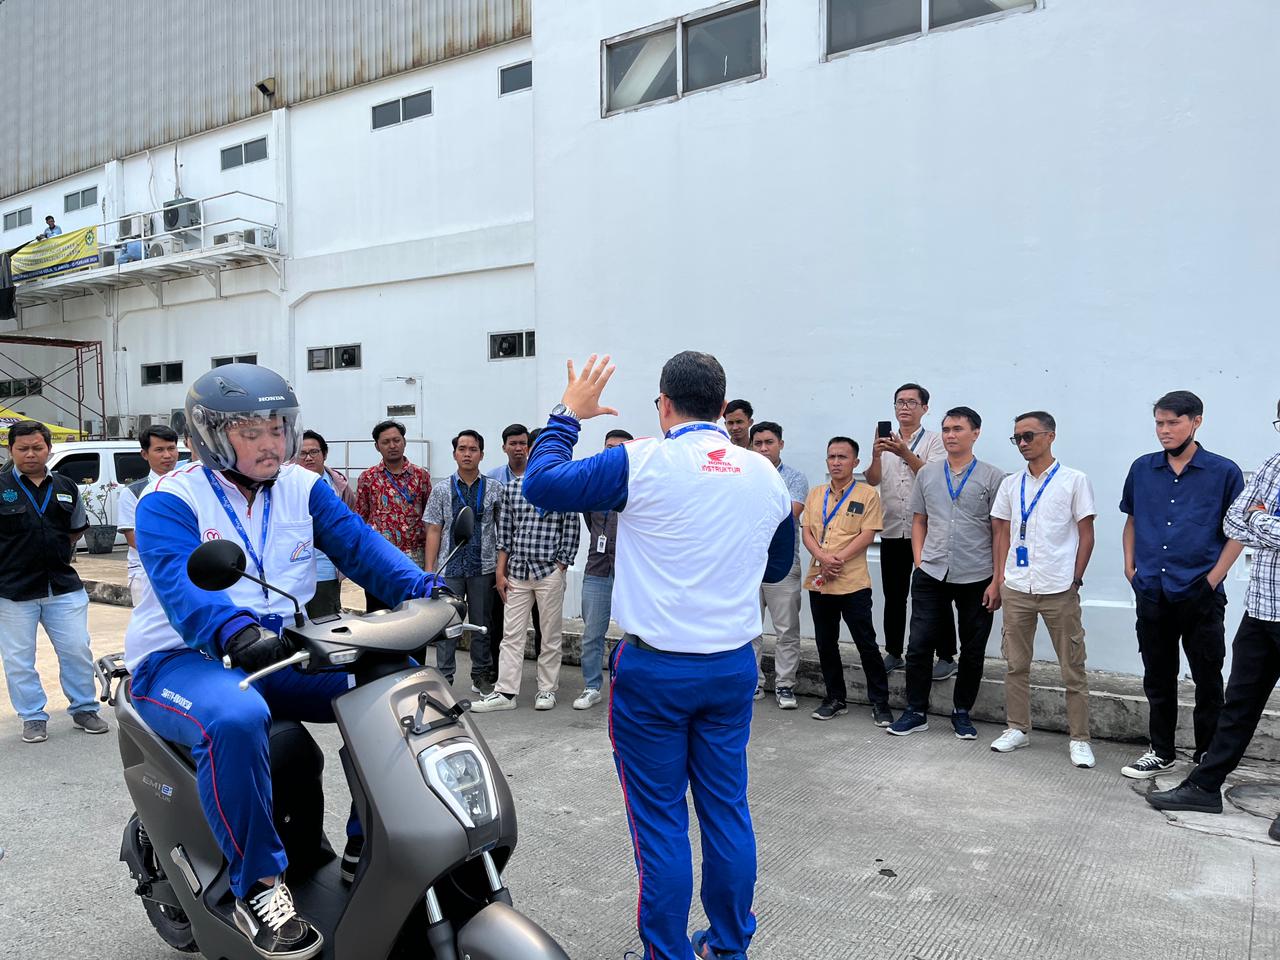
x: 438, y: 817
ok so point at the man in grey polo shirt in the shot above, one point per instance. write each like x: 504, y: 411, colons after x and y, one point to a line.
x: 951, y: 539
x: 781, y: 599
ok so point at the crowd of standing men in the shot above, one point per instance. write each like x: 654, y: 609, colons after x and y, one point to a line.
x: 957, y: 537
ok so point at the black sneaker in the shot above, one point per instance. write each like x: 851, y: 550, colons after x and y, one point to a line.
x: 829, y: 709
x: 35, y: 731
x: 89, y: 721
x: 1149, y: 765
x: 267, y: 917
x: 944, y: 670
x: 963, y: 726
x: 881, y: 715
x: 351, y: 859
x: 893, y: 662
x: 1186, y: 796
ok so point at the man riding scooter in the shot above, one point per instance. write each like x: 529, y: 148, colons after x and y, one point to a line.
x: 187, y: 650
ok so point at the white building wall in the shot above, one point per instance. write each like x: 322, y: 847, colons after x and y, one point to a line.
x: 1070, y: 209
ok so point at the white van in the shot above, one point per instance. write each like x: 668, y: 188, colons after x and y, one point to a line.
x: 104, y: 464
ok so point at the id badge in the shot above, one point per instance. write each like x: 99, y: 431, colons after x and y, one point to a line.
x: 601, y: 543
x: 1022, y: 559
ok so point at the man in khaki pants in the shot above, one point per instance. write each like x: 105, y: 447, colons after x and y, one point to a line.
x: 1043, y: 522
x: 535, y: 548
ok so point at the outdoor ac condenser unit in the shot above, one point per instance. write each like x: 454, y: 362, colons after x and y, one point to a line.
x: 181, y: 213
x: 123, y: 426
x: 92, y: 428
x: 106, y: 258
x: 133, y: 225
x: 165, y: 246
x: 234, y: 236
x: 261, y: 237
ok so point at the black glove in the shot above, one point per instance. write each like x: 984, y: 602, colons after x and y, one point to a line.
x: 253, y: 648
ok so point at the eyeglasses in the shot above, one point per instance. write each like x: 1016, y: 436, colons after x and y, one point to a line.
x: 907, y: 404
x: 308, y: 454
x: 657, y: 400
x: 1276, y: 424
x: 1020, y: 438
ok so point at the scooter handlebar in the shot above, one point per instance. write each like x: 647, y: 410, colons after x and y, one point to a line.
x: 302, y: 656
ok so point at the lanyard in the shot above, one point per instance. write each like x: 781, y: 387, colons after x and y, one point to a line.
x: 41, y: 507
x: 955, y: 494
x: 690, y: 427
x: 457, y: 492
x: 919, y: 437
x: 404, y: 491
x: 1026, y: 511
x: 828, y: 517
x: 239, y: 527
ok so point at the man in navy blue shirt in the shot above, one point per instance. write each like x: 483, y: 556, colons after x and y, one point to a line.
x: 1176, y: 557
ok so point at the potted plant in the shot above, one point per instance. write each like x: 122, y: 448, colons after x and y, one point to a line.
x: 101, y: 535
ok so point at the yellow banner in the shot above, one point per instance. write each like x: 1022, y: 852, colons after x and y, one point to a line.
x: 77, y: 250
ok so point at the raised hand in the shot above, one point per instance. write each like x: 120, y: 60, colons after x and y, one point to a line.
x: 582, y: 395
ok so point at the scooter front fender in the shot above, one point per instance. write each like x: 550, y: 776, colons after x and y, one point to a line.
x: 500, y: 932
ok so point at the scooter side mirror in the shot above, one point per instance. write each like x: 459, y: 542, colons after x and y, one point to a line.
x: 216, y: 565
x: 464, y: 526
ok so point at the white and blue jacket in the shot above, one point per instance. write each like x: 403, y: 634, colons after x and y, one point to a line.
x: 183, y: 510
x: 701, y: 523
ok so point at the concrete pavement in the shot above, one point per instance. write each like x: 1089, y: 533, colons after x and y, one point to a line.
x: 870, y: 847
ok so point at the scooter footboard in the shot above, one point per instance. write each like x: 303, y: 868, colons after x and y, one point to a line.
x: 500, y: 932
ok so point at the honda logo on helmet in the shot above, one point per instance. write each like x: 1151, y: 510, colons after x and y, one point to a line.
x: 267, y: 399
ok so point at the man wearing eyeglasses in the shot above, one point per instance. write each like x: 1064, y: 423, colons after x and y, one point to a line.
x: 895, y: 461
x: 1176, y: 557
x: 312, y: 455
x: 1043, y: 522
x: 1253, y: 520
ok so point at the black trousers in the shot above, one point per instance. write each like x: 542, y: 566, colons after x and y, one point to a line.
x: 855, y: 609
x: 896, y: 564
x: 1255, y: 668
x: 372, y: 603
x: 1196, y: 623
x: 931, y: 624
x: 327, y: 600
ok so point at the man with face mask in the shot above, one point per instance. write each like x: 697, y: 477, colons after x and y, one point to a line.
x: 243, y: 422
x: 1176, y: 557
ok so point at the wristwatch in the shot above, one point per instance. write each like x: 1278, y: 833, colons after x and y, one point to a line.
x: 1077, y: 583
x: 560, y: 410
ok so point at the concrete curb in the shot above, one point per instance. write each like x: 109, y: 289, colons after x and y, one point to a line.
x: 1117, y: 705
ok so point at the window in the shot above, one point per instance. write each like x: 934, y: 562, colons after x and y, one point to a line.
x: 80, y: 468
x: 518, y: 76
x: 852, y: 24
x: 714, y: 48
x: 511, y: 346
x: 251, y: 151
x: 400, y: 111
x: 23, y: 387
x: 155, y: 373
x: 398, y: 410
x: 334, y: 358
x: 130, y: 468
x: 80, y: 199
x: 17, y: 218
x: 241, y: 358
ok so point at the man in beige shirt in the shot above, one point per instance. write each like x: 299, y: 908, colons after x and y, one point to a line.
x: 895, y: 461
x: 839, y: 522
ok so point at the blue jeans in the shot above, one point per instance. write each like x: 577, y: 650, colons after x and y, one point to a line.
x: 66, y: 620
x: 597, y: 600
x: 681, y: 724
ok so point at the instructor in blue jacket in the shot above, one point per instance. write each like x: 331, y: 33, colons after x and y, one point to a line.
x: 701, y: 523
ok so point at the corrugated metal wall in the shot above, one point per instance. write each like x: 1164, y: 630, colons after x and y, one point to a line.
x: 87, y: 81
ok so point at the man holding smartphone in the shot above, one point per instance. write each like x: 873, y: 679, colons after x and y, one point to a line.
x: 896, y: 458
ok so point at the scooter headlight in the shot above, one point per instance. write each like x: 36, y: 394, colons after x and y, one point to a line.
x: 459, y: 775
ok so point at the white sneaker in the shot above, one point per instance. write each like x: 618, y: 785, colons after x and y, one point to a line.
x: 759, y: 694
x: 1081, y: 753
x: 493, y: 702
x: 588, y: 699
x: 545, y: 700
x: 1010, y: 740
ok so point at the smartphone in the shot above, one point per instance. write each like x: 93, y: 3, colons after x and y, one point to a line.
x: 884, y: 429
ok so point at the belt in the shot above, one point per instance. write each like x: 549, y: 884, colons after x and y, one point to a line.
x: 633, y: 640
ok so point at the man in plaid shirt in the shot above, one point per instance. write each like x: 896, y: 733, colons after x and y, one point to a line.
x: 535, y: 548
x: 1254, y: 520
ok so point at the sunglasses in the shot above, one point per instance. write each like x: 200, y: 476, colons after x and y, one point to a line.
x: 1018, y: 439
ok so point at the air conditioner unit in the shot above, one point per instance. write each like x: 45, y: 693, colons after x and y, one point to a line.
x: 180, y: 213
x: 165, y: 246
x: 152, y: 420
x: 261, y: 237
x: 178, y: 420
x: 91, y: 428
x: 106, y: 258
x: 133, y: 225
x: 235, y: 236
x: 123, y: 426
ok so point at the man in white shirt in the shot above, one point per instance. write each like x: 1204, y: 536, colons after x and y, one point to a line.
x: 782, y: 599
x: 160, y: 451
x: 1043, y: 523
x: 895, y: 461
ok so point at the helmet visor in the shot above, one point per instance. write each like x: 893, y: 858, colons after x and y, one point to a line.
x: 255, y: 443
